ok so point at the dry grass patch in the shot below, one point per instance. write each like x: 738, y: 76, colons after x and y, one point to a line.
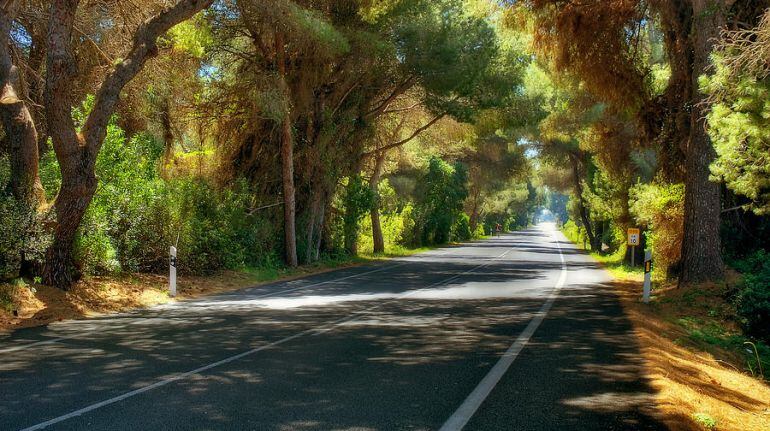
x: 30, y: 305
x: 699, y: 385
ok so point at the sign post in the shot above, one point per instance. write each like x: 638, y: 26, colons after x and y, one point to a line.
x: 647, y: 276
x: 172, y: 272
x: 633, y: 241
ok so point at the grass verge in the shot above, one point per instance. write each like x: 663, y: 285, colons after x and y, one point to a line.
x: 696, y: 361
x: 707, y: 374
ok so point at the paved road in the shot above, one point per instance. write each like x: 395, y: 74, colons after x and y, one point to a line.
x: 513, y: 333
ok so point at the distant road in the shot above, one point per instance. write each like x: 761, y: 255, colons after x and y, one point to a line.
x: 513, y: 333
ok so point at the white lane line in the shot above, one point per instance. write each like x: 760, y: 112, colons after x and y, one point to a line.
x: 468, y: 408
x: 324, y: 328
x: 267, y: 295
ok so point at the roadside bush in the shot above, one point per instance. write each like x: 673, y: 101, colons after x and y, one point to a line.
x: 461, y: 231
x: 753, y: 298
x: 660, y: 207
x: 136, y: 215
x: 440, y: 196
x: 358, y: 200
x: 573, y: 232
x: 395, y: 225
x: 23, y: 237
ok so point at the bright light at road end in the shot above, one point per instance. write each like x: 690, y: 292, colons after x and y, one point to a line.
x: 545, y: 216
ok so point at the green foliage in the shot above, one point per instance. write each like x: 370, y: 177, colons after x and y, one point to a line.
x: 136, y: 215
x: 660, y: 207
x: 397, y: 227
x: 705, y: 420
x: 458, y: 58
x: 192, y: 37
x: 24, y: 237
x: 440, y: 196
x: 358, y: 201
x: 739, y: 126
x: 461, y: 231
x: 573, y: 232
x: 7, y: 294
x: 753, y: 298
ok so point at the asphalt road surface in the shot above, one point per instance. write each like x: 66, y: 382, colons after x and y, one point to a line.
x: 514, y: 333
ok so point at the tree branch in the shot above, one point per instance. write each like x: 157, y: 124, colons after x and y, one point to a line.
x: 144, y: 46
x: 399, y: 90
x: 408, y: 139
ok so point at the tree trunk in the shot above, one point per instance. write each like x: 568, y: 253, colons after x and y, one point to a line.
x: 287, y: 162
x: 76, y: 150
x: 320, y: 228
x: 77, y: 189
x: 23, y: 151
x: 289, y: 205
x: 20, y: 130
x: 701, y: 245
x: 584, y: 217
x: 377, y: 238
x: 168, y: 136
x: 315, y: 219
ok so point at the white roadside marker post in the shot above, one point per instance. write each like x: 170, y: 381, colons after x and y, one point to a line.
x: 172, y: 272
x: 647, y: 276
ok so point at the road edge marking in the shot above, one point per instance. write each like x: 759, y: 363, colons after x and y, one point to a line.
x: 468, y: 408
x: 399, y: 263
x: 324, y: 328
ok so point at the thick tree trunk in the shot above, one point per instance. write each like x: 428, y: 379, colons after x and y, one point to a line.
x: 77, y: 151
x: 377, y: 238
x: 350, y: 228
x: 701, y: 245
x: 77, y: 190
x: 320, y: 228
x: 23, y: 150
x: 20, y: 130
x: 287, y: 163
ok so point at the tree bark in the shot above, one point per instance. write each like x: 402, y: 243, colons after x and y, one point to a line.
x: 584, y: 217
x: 374, y: 182
x: 75, y: 151
x: 287, y: 163
x: 701, y: 245
x: 315, y: 219
x: 168, y: 136
x: 19, y: 126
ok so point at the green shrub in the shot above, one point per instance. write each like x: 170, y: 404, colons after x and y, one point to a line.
x: 395, y: 226
x: 573, y: 232
x: 23, y: 235
x: 705, y: 420
x: 753, y: 298
x: 660, y: 207
x: 461, y: 231
x: 358, y: 200
x: 136, y: 216
x: 440, y: 197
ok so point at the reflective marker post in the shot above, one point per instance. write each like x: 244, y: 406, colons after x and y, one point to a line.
x: 647, y: 276
x: 172, y: 272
